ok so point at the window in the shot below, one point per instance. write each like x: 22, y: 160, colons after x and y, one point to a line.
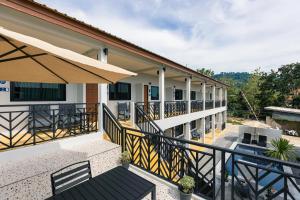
x: 37, y: 91
x: 154, y: 93
x: 193, y: 95
x: 120, y: 91
x: 193, y: 125
x: 178, y: 130
x: 178, y: 94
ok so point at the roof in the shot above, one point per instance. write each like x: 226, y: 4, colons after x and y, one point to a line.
x: 51, y: 15
x: 284, y: 110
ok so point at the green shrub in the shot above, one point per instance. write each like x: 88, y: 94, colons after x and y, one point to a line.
x: 187, y: 184
x: 125, y: 157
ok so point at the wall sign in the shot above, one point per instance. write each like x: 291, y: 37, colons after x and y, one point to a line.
x: 3, y: 89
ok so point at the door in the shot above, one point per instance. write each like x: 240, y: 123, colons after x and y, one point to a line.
x: 146, y: 96
x: 91, y: 101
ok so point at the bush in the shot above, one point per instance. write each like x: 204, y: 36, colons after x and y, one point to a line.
x: 125, y: 157
x: 187, y: 184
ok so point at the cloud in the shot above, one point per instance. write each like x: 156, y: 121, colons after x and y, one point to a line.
x: 225, y: 35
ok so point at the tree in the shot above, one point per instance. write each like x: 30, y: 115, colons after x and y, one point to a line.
x: 206, y: 72
x: 282, y: 149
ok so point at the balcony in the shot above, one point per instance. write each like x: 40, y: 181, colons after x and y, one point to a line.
x: 209, y: 104
x: 218, y: 104
x: 219, y: 173
x: 196, y: 106
x: 224, y: 103
x: 175, y: 108
x: 32, y: 124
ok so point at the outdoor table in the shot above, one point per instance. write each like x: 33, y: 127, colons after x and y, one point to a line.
x: 117, y: 183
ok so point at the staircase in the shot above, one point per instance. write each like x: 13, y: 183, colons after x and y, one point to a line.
x: 155, y: 153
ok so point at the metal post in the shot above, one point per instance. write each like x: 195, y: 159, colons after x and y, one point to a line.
x: 232, y: 176
x: 223, y: 168
x: 10, y: 130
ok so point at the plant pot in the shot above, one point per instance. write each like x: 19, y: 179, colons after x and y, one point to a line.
x: 125, y: 165
x: 185, y: 196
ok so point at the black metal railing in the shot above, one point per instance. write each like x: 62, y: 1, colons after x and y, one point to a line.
x: 218, y: 104
x: 196, y: 105
x: 152, y: 109
x: 224, y: 103
x: 33, y: 124
x: 209, y: 104
x: 175, y: 108
x: 250, y: 176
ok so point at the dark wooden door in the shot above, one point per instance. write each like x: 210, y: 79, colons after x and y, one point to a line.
x: 146, y: 96
x: 92, y: 100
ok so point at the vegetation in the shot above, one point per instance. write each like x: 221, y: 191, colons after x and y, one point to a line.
x: 206, y: 72
x: 187, y: 184
x: 125, y: 157
x: 282, y: 149
x: 279, y: 87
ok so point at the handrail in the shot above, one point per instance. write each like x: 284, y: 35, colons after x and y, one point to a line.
x: 226, y: 150
x: 112, y: 116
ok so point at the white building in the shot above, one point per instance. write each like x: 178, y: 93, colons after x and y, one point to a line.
x: 177, y: 98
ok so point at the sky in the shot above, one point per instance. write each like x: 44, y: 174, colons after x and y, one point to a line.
x: 223, y: 35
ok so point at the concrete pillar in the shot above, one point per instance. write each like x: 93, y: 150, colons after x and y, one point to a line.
x: 214, y: 96
x: 221, y: 94
x: 187, y: 131
x: 132, y: 113
x: 225, y: 96
x: 213, y: 126
x: 203, y: 94
x: 188, y: 93
x: 102, y: 88
x: 162, y: 92
x: 203, y: 129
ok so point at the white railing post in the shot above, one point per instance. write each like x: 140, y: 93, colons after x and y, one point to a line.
x: 214, y: 96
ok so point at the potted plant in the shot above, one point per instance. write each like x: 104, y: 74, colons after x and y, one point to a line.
x: 125, y: 159
x: 186, y: 187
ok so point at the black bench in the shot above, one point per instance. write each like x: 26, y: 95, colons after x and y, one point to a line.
x: 118, y: 183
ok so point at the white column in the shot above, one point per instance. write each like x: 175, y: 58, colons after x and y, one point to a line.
x: 203, y: 94
x: 132, y: 113
x: 187, y: 131
x: 225, y: 90
x: 214, y: 96
x: 213, y: 126
x: 221, y: 94
x: 203, y: 129
x: 102, y: 89
x: 162, y: 91
x: 188, y: 93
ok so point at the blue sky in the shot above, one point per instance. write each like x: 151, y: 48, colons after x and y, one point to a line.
x: 224, y: 35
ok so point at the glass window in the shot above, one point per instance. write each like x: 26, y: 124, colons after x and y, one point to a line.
x: 20, y: 91
x: 120, y: 91
x: 178, y: 130
x: 193, y: 125
x: 178, y: 94
x: 193, y: 95
x: 154, y: 93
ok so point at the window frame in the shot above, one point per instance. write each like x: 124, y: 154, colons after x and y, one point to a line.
x: 193, y: 93
x: 193, y: 122
x: 177, y: 99
x: 154, y: 99
x: 116, y: 96
x: 40, y: 87
x: 181, y: 129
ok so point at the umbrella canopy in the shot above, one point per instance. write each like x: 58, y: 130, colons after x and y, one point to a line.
x: 27, y: 59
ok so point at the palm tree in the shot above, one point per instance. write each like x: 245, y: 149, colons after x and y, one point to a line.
x: 282, y: 149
